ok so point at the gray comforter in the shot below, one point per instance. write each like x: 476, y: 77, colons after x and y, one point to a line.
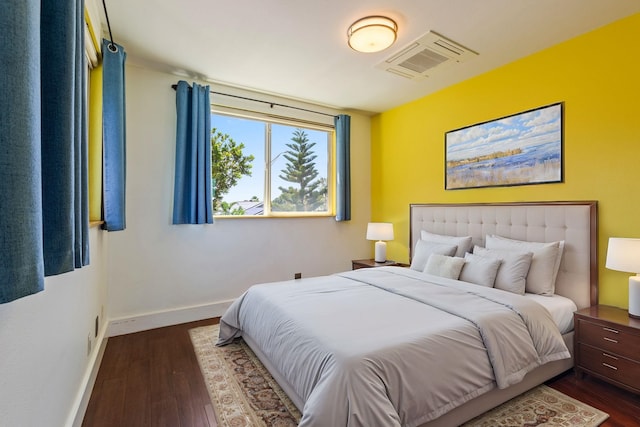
x: 391, y: 346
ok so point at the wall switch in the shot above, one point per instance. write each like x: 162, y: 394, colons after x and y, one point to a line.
x: 297, y: 276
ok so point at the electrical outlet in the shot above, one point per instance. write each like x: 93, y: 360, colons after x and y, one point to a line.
x: 297, y: 276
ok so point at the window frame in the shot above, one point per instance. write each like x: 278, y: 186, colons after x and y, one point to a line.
x: 268, y: 120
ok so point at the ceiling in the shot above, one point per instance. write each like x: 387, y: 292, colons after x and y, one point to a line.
x: 298, y: 48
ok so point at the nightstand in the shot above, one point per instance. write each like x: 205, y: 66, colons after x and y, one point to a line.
x: 607, y: 346
x: 370, y: 263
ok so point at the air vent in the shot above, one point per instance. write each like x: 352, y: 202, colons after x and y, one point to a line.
x: 426, y: 55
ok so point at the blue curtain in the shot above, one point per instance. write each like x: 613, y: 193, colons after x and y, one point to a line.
x: 43, y: 200
x: 21, y: 257
x: 64, y: 137
x: 192, y: 187
x: 343, y: 167
x: 114, y: 136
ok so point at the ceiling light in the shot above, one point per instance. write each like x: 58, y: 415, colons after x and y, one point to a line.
x: 372, y: 34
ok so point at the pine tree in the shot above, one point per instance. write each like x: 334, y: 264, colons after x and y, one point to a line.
x: 311, y: 194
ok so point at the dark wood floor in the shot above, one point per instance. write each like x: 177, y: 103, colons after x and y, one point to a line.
x: 622, y: 406
x: 152, y: 378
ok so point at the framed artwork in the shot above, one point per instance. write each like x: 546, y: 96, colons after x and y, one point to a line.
x: 521, y: 149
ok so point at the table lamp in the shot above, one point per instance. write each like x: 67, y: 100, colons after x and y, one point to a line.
x: 624, y: 255
x: 380, y: 231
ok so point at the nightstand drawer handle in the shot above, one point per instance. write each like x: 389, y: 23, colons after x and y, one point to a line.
x: 609, y: 366
x: 610, y: 340
x: 611, y: 330
x: 609, y: 356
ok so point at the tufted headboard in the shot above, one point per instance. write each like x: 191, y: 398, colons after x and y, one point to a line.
x: 574, y: 222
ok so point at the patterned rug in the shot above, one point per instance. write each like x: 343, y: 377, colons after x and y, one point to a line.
x: 541, y: 406
x: 243, y: 393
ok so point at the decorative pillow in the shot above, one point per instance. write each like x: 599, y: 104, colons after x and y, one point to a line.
x: 424, y: 250
x: 479, y: 270
x: 463, y: 243
x: 544, y: 265
x: 444, y: 266
x: 513, y: 270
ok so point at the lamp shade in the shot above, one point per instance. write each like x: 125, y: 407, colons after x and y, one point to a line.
x: 623, y: 255
x: 380, y: 231
x: 372, y: 34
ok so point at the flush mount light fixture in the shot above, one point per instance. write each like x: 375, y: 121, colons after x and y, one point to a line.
x: 372, y: 34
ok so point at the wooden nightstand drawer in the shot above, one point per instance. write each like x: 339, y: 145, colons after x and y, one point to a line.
x: 611, y: 366
x: 607, y: 345
x: 610, y: 338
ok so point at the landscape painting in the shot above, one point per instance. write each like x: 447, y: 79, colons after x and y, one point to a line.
x: 525, y: 148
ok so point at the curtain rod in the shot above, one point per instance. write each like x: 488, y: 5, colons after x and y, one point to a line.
x: 264, y: 102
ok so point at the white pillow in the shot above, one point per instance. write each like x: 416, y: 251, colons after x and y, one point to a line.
x: 479, y: 270
x: 444, y: 266
x: 513, y: 270
x: 545, y: 264
x: 424, y: 250
x: 463, y: 243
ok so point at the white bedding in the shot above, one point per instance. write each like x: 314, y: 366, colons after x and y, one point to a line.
x: 384, y: 347
x: 561, y: 309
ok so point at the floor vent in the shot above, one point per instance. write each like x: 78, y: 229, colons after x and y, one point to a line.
x: 425, y: 55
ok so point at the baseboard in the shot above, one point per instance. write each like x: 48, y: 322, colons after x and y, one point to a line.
x: 88, y: 381
x: 159, y: 319
x: 129, y: 325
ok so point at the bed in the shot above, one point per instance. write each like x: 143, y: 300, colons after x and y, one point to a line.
x: 397, y: 346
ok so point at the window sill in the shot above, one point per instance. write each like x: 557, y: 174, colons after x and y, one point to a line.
x: 290, y: 216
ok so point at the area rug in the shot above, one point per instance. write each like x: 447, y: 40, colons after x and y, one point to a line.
x: 243, y: 393
x: 541, y: 406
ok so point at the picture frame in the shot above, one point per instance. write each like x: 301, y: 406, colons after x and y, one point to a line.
x: 520, y: 149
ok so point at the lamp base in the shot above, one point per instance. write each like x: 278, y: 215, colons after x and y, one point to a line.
x: 381, y: 251
x: 634, y: 297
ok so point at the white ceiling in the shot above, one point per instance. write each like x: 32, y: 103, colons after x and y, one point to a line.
x: 298, y: 48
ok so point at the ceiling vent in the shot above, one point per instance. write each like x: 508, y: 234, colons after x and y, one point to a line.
x: 425, y: 55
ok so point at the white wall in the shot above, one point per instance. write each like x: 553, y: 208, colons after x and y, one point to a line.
x: 43, y: 344
x: 156, y: 267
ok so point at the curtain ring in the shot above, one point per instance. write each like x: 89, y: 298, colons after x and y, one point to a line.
x: 112, y: 47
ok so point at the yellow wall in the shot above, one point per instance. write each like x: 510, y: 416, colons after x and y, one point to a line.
x: 95, y: 144
x: 596, y: 75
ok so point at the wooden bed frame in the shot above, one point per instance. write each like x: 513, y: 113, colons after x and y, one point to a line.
x: 573, y: 222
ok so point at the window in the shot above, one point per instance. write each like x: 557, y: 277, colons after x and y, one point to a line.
x: 270, y: 168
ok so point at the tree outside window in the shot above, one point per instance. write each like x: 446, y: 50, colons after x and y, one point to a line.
x: 309, y: 192
x: 295, y: 181
x: 228, y: 165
